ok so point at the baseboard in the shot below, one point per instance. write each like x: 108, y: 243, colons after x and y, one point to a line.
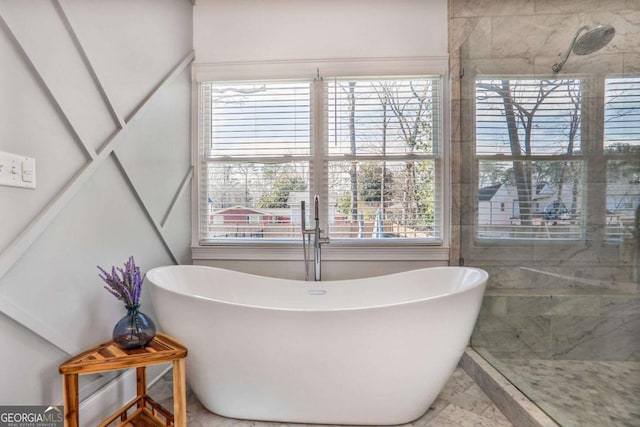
x: 517, y: 407
x: 115, y: 394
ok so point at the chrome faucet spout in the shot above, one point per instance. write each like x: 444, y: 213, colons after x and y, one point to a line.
x: 318, y: 240
x: 316, y: 207
x: 303, y: 226
x: 317, y: 251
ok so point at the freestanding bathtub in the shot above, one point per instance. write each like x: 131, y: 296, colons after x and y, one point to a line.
x: 364, y: 351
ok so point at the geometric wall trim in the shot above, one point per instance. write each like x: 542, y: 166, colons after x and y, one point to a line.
x: 95, y: 159
x: 17, y: 248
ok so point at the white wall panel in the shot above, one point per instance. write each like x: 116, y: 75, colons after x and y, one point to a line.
x: 31, y: 126
x: 57, y: 278
x: 156, y: 153
x: 36, y: 380
x: 178, y: 226
x: 268, y: 30
x: 41, y: 31
x: 143, y: 37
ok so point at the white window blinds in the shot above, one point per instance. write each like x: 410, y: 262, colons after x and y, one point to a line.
x: 383, y: 139
x: 257, y: 119
x: 528, y: 117
x: 622, y: 113
x: 255, y: 147
x: 372, y: 152
x: 622, y: 152
x: 530, y: 163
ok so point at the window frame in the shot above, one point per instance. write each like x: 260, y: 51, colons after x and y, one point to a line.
x: 615, y: 157
x: 508, y: 157
x: 593, y: 157
x: 325, y: 158
x: 351, y: 249
x: 270, y: 158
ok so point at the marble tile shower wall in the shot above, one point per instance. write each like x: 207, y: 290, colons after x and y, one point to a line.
x: 561, y: 327
x: 577, y: 301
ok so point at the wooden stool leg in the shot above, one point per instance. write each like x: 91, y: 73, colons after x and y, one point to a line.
x: 179, y: 393
x: 141, y: 384
x: 70, y: 400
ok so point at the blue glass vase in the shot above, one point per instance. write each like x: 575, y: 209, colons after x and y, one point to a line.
x: 135, y: 330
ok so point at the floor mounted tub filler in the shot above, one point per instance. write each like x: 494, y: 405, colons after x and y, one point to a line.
x: 373, y: 351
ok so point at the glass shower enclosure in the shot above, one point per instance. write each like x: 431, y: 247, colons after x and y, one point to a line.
x: 547, y: 170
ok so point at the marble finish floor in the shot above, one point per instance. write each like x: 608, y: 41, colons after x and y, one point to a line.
x: 578, y: 393
x: 461, y: 404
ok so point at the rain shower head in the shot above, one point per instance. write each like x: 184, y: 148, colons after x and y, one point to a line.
x: 594, y: 39
x: 591, y: 41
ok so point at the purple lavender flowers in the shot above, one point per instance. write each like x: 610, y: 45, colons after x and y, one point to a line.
x: 125, y: 284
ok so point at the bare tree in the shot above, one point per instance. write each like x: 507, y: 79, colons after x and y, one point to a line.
x: 518, y: 115
x: 413, y: 115
x: 575, y: 95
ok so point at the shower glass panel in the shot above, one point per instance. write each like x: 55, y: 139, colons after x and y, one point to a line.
x: 546, y: 182
x: 555, y: 195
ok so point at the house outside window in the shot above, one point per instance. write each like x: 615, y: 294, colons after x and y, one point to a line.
x: 370, y: 147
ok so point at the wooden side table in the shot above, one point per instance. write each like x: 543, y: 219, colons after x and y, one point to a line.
x: 141, y: 411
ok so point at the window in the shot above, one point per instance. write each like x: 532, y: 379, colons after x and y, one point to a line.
x: 383, y: 137
x: 255, y: 151
x: 531, y: 152
x: 622, y: 154
x: 530, y: 158
x: 370, y: 147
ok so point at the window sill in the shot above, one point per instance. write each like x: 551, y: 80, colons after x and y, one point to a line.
x: 335, y: 251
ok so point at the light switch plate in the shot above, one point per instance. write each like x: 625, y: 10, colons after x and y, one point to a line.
x: 17, y: 171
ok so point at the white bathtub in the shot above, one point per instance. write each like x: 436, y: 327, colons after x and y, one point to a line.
x: 361, y: 351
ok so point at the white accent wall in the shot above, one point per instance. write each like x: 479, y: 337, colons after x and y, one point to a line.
x: 98, y: 92
x: 274, y: 30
